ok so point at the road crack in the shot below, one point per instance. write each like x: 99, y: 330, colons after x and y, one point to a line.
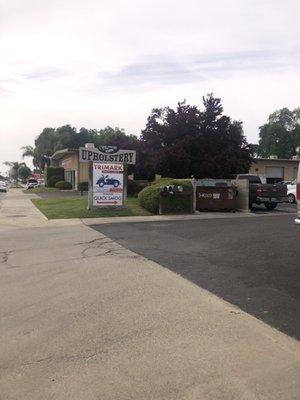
x: 103, y: 246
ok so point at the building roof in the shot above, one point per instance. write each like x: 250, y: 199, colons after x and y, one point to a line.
x: 274, y: 159
x: 59, y: 154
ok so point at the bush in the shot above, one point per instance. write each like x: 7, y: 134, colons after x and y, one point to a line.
x: 63, y: 185
x: 53, y: 180
x: 53, y: 175
x: 149, y: 196
x: 83, y: 186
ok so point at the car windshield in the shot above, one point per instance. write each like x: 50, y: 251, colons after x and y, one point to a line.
x: 32, y: 181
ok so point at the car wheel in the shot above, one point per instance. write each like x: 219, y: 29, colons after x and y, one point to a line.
x: 116, y: 183
x: 292, y: 198
x: 270, y: 206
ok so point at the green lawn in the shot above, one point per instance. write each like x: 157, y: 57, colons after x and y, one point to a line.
x: 76, y: 207
x: 40, y: 190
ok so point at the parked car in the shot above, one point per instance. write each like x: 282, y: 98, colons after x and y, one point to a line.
x: 32, y: 183
x: 3, y: 186
x: 264, y: 193
x: 291, y: 191
x: 297, y: 220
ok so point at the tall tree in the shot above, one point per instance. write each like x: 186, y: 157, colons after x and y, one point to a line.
x: 189, y: 142
x: 44, y: 145
x: 24, y: 172
x: 30, y: 151
x: 280, y: 136
x: 14, y: 167
x: 51, y: 140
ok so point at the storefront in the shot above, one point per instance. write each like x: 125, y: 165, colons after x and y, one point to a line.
x: 76, y: 161
x: 75, y: 172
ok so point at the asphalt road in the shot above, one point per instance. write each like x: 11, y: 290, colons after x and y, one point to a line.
x: 250, y: 262
x: 283, y: 207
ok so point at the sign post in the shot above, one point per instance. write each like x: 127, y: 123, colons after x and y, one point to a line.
x: 106, y: 186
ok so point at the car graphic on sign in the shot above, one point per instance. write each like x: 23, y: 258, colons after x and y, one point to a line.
x: 106, y: 181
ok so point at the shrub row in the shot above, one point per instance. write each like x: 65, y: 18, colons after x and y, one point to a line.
x: 149, y: 197
x: 63, y: 185
x: 53, y: 175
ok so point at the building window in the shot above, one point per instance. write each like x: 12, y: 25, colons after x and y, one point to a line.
x: 70, y: 177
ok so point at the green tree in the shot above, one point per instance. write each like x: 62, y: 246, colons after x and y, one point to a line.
x: 30, y: 151
x: 14, y: 167
x: 24, y: 172
x: 189, y: 142
x: 280, y: 136
x: 44, y: 145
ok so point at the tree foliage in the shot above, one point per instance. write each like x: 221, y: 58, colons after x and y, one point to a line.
x: 53, y: 139
x: 17, y: 170
x: 179, y: 143
x: 24, y: 172
x: 189, y: 142
x: 280, y: 136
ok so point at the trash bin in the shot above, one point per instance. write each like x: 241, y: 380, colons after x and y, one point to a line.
x: 216, y: 198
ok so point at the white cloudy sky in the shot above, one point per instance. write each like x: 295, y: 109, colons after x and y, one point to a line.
x: 94, y: 63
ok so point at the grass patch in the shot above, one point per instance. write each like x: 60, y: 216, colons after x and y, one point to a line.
x: 40, y: 190
x: 76, y: 207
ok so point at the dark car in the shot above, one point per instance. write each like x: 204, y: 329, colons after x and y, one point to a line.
x: 264, y: 193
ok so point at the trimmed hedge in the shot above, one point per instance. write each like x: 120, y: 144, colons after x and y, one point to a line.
x: 63, y: 185
x: 53, y: 175
x: 83, y: 186
x: 53, y: 180
x: 149, y: 197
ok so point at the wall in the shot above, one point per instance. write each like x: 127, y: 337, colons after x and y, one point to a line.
x: 242, y: 198
x: 69, y: 162
x: 83, y: 175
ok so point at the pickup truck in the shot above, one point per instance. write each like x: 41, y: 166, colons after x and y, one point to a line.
x: 263, y: 193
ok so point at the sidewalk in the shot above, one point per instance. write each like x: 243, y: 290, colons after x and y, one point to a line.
x: 84, y: 318
x: 17, y: 210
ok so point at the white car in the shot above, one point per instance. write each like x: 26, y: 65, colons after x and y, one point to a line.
x: 3, y: 186
x: 297, y: 220
x: 291, y: 191
x: 32, y: 183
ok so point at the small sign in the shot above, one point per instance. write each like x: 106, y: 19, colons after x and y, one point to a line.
x: 109, y: 154
x: 107, y: 184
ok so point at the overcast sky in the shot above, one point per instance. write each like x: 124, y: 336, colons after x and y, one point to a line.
x: 95, y: 63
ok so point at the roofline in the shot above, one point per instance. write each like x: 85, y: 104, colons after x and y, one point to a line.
x: 274, y: 159
x: 61, y: 153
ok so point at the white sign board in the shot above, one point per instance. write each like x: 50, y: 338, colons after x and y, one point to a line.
x: 107, y: 154
x: 108, y: 184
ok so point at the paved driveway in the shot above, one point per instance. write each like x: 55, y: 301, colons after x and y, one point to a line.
x: 250, y: 262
